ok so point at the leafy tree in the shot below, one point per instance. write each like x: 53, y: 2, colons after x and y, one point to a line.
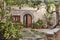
x: 32, y: 3
x: 7, y: 29
x: 56, y: 3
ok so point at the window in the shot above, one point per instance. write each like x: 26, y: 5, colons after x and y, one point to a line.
x: 16, y: 18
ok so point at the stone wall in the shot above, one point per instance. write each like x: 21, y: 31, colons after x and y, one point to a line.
x: 36, y: 14
x: 53, y: 34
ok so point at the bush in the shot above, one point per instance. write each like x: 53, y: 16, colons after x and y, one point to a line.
x: 38, y: 24
x: 9, y: 30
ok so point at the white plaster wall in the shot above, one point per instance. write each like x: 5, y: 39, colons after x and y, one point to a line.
x: 36, y: 14
x: 28, y: 8
x: 39, y: 13
x: 54, y: 19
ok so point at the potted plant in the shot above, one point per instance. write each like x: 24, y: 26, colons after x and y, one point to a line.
x: 40, y: 23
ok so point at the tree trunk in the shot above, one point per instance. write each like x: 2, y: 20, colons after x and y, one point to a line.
x: 57, y: 16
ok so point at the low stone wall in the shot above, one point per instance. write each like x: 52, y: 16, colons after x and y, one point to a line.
x: 53, y: 34
x: 57, y: 35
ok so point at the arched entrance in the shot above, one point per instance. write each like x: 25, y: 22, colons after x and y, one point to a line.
x: 27, y: 20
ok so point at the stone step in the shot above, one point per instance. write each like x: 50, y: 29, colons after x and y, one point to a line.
x: 32, y: 38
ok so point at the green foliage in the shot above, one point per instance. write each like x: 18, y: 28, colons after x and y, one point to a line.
x: 9, y: 30
x: 48, y: 16
x: 19, y: 25
x: 38, y: 24
x: 49, y: 19
x: 37, y: 32
x: 1, y: 4
x: 51, y: 7
x: 20, y: 3
x: 34, y: 24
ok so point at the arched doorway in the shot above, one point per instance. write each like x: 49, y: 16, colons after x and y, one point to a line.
x: 27, y: 20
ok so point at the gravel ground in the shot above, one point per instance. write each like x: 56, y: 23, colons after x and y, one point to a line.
x: 33, y: 34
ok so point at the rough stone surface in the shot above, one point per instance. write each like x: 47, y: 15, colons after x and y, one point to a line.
x: 33, y: 34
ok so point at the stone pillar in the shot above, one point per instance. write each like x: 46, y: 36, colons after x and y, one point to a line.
x: 22, y: 18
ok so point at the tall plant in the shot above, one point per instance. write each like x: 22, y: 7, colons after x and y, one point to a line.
x: 56, y: 4
x: 7, y: 28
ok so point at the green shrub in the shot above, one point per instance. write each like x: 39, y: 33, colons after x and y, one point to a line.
x: 38, y: 24
x: 9, y: 30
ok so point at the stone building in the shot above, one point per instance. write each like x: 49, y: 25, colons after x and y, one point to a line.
x: 28, y: 15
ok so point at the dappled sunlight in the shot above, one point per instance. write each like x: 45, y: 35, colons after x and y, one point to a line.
x: 29, y: 19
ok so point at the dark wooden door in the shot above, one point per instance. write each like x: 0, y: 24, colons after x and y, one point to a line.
x: 27, y: 20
